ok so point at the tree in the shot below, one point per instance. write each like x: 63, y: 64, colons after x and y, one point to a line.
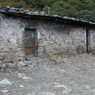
x: 83, y: 9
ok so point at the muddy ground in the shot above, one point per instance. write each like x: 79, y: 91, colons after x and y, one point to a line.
x: 74, y: 76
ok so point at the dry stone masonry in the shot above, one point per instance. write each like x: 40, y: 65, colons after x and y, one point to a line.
x: 55, y: 35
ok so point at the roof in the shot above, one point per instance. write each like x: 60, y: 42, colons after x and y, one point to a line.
x: 23, y: 13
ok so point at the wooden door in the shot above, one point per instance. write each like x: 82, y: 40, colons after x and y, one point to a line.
x: 30, y: 41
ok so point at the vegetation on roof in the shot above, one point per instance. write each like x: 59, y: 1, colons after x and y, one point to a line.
x: 82, y: 9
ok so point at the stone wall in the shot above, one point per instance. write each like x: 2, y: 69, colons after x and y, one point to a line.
x: 10, y: 40
x: 53, y: 38
x: 63, y: 39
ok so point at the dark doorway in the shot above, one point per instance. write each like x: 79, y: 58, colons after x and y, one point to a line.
x: 30, y: 42
x: 88, y: 41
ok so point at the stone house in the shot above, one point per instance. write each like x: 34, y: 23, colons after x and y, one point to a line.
x: 24, y: 34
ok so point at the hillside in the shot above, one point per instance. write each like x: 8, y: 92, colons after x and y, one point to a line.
x: 82, y: 9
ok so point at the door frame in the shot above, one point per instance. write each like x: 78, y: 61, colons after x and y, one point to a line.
x: 35, y: 47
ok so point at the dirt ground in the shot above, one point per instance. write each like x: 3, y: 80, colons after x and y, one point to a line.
x: 75, y: 76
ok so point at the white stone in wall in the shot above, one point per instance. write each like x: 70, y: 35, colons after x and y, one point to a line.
x: 38, y: 36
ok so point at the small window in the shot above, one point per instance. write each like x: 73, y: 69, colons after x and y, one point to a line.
x: 30, y: 42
